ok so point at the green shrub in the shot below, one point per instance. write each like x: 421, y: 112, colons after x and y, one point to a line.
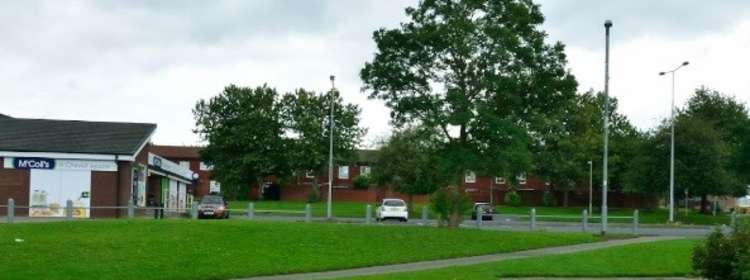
x: 724, y: 256
x: 361, y: 182
x: 512, y: 198
x: 548, y: 199
x: 449, y: 204
x: 314, y: 194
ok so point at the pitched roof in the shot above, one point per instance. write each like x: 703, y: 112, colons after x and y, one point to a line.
x: 64, y: 136
x: 185, y: 152
x: 4, y: 116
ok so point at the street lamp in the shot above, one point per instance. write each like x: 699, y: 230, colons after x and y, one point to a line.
x: 607, y: 26
x: 329, y: 205
x: 591, y: 188
x: 671, y: 153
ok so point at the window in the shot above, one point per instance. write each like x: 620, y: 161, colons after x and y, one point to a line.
x: 499, y: 180
x: 310, y: 173
x: 521, y: 179
x: 185, y: 164
x: 364, y: 170
x: 344, y: 172
x: 470, y: 177
x: 205, y: 167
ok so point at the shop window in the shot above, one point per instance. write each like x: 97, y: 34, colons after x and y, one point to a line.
x: 364, y: 170
x: 344, y: 172
x: 500, y: 180
x: 470, y: 177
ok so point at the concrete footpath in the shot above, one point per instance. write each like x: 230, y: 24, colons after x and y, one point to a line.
x: 425, y: 265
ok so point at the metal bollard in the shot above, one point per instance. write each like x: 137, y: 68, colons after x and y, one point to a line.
x: 11, y: 213
x: 250, y: 210
x: 425, y: 215
x: 532, y: 223
x: 308, y: 213
x: 635, y: 221
x: 194, y: 211
x: 131, y: 209
x: 368, y: 214
x: 733, y: 217
x: 69, y: 209
x: 585, y: 220
x: 479, y: 219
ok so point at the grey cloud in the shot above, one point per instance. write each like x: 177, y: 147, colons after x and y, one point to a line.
x: 580, y: 22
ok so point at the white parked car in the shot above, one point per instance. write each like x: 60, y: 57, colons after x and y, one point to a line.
x: 392, y: 208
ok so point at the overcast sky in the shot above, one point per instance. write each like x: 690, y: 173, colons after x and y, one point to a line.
x: 150, y: 61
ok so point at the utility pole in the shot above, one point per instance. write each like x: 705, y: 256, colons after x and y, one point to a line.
x: 591, y: 187
x: 607, y: 26
x: 330, y: 152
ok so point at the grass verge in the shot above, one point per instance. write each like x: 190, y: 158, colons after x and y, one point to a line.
x: 653, y: 259
x: 184, y: 249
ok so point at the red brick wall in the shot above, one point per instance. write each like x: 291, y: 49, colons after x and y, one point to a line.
x: 103, y: 193
x: 14, y: 183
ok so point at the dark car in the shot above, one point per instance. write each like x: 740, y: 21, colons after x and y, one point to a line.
x: 213, y: 206
x: 485, y: 209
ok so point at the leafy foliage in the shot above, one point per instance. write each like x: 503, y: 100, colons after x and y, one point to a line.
x: 362, y: 182
x: 253, y: 133
x: 449, y: 204
x: 512, y: 198
x: 407, y: 162
x: 478, y: 74
x: 244, y: 130
x: 548, y: 199
x: 724, y: 256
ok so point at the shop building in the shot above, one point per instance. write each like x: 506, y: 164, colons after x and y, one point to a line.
x: 44, y: 163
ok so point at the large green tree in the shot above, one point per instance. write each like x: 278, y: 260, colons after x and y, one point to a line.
x: 245, y: 134
x: 480, y: 73
x: 562, y: 158
x: 253, y: 133
x: 307, y: 119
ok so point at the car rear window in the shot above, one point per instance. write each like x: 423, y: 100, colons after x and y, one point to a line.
x: 394, y: 203
x: 212, y: 200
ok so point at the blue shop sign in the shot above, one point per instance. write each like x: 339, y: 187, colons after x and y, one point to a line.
x: 34, y: 163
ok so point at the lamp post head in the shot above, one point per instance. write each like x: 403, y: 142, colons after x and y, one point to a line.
x: 662, y: 73
x: 333, y: 78
x: 607, y: 23
x: 685, y: 63
x: 589, y: 162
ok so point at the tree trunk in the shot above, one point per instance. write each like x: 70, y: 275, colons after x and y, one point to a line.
x: 704, y: 204
x: 454, y: 220
x: 565, y: 199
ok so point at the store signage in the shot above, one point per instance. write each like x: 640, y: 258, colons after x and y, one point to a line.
x: 34, y: 163
x: 163, y: 164
x: 94, y: 165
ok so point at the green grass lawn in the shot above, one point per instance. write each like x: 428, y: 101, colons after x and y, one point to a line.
x: 344, y: 209
x: 654, y: 259
x: 659, y: 216
x: 223, y: 249
x: 571, y: 214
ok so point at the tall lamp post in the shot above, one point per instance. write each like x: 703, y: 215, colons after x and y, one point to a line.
x: 591, y: 187
x: 671, y: 153
x: 607, y: 26
x: 329, y: 205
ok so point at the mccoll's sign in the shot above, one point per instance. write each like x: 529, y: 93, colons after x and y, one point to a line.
x: 34, y: 163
